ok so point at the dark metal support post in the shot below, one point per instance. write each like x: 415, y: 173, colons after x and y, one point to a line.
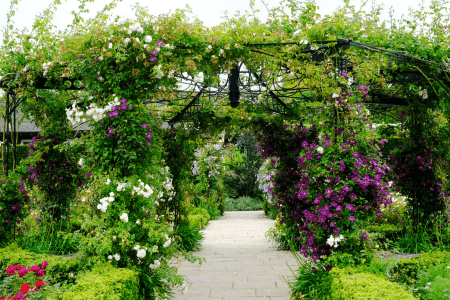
x: 234, y: 87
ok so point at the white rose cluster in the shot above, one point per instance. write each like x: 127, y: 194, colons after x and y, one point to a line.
x: 423, y: 93
x: 333, y: 241
x: 76, y: 116
x: 141, y: 253
x: 104, y: 202
x: 116, y: 257
x: 18, y: 49
x: 135, y: 28
x: 195, y: 168
x: 143, y: 189
x: 168, y: 242
x: 199, y: 77
x: 121, y: 186
x: 46, y: 66
x: 155, y: 264
x: 158, y: 71
x: 124, y: 217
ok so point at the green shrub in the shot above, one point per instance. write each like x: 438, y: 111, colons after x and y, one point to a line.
x: 214, y: 212
x: 311, y: 282
x: 388, y: 230
x: 407, y: 270
x: 21, y: 153
x: 242, y: 204
x: 349, y: 284
x: 433, y: 283
x: 190, y: 237
x: 198, y: 217
x: 104, y: 282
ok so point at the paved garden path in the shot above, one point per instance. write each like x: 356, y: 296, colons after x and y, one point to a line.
x: 240, y: 262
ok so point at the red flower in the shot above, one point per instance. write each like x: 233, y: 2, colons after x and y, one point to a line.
x: 39, y: 283
x: 25, y: 288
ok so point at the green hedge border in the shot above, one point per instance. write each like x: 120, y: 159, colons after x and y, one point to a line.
x: 102, y: 282
x: 348, y: 284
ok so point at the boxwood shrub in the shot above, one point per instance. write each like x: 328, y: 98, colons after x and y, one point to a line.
x: 348, y: 283
x: 198, y: 217
x: 104, y: 282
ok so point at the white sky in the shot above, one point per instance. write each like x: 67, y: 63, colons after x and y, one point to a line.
x: 209, y: 11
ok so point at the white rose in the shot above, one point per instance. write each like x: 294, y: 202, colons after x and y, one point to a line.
x: 148, y: 39
x: 124, y: 217
x: 141, y: 253
x: 320, y: 150
x: 110, y: 46
x: 109, y: 257
x: 117, y: 256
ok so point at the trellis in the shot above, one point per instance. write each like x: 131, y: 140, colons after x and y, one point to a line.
x: 234, y: 88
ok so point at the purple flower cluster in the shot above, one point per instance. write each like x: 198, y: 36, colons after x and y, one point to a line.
x: 148, y: 135
x: 321, y: 206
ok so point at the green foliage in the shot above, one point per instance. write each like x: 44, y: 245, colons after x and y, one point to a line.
x: 104, y: 282
x: 21, y: 153
x: 349, y: 284
x: 47, y: 237
x: 388, y: 230
x: 190, y: 237
x: 433, y: 283
x: 285, y: 236
x: 213, y: 212
x: 244, y: 164
x: 243, y: 204
x: 198, y: 217
x: 407, y: 270
x: 312, y: 282
x: 125, y: 148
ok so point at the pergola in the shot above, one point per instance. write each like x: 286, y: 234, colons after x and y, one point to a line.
x: 279, y: 99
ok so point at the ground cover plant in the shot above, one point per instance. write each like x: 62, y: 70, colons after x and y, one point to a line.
x: 136, y: 191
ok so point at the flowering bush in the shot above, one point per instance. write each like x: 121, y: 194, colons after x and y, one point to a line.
x: 208, y: 171
x: 13, y: 209
x: 421, y: 162
x: 329, y: 178
x: 22, y: 277
x: 54, y: 170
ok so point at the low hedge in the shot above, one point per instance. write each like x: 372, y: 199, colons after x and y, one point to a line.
x: 406, y: 270
x: 104, y: 282
x: 198, y: 217
x: 388, y: 230
x: 57, y: 266
x: 350, y: 284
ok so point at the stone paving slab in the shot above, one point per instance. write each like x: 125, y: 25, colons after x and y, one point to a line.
x: 240, y: 262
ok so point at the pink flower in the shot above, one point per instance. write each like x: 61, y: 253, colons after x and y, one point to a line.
x: 22, y: 272
x: 351, y: 218
x: 34, y: 269
x: 44, y: 265
x: 144, y: 125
